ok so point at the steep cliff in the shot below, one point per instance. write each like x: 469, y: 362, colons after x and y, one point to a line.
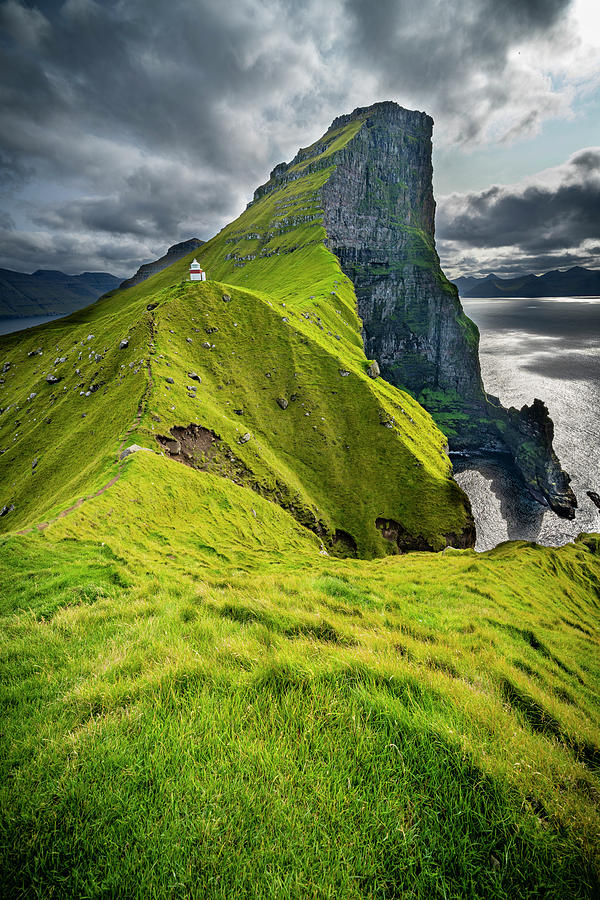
x: 378, y: 213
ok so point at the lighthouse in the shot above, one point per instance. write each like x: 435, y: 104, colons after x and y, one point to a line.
x: 196, y: 273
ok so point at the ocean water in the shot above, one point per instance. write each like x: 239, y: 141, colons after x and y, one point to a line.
x: 8, y: 326
x: 547, y: 348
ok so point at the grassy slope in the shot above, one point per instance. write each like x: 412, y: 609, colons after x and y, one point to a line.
x: 290, y: 329
x: 200, y: 704
x: 197, y: 701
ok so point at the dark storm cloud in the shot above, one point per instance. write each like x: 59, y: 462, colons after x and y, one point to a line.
x: 555, y: 211
x: 455, y: 52
x: 127, y: 125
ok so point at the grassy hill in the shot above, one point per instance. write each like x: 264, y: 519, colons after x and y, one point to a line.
x: 347, y: 451
x: 201, y: 698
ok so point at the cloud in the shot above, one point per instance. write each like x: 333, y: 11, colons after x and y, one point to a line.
x: 146, y: 120
x: 546, y: 217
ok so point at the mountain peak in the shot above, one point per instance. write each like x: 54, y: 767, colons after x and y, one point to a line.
x: 384, y: 111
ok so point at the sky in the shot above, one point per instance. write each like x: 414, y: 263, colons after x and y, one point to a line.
x: 129, y: 125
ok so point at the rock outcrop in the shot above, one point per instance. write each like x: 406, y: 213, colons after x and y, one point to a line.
x: 378, y: 213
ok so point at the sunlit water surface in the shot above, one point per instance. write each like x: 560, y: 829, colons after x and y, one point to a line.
x: 547, y: 348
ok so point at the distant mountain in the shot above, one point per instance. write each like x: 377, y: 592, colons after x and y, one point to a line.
x: 574, y: 282
x: 177, y: 251
x: 47, y: 292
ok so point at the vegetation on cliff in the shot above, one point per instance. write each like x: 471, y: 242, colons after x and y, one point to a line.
x: 200, y: 699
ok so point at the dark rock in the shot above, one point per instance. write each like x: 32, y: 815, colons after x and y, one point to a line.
x: 594, y: 497
x: 52, y: 379
x: 283, y: 403
x: 124, y: 343
x: 6, y: 509
x: 151, y: 306
x: 239, y: 412
x: 413, y: 322
x: 529, y: 433
x: 37, y: 352
x: 171, y: 445
x: 169, y: 380
x: 344, y: 544
x: 34, y: 463
x: 405, y: 542
x: 194, y: 377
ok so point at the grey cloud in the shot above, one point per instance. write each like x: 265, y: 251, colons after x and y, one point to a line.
x: 534, y: 215
x: 73, y: 252
x: 156, y: 120
x: 434, y: 50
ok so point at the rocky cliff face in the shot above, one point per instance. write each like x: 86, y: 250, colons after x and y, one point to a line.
x: 378, y: 212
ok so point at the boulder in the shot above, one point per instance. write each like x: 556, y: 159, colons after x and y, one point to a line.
x: 283, y: 403
x: 245, y: 438
x: 37, y: 352
x: 169, y: 380
x: 124, y: 343
x: 133, y: 448
x: 344, y: 373
x: 374, y: 371
x: 6, y: 509
x: 226, y: 298
x: 171, y: 445
x: 52, y: 379
x: 594, y: 497
x: 194, y: 377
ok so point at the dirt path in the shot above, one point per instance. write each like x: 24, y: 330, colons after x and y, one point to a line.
x: 138, y: 418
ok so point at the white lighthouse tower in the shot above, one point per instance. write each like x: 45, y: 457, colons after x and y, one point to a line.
x: 196, y: 273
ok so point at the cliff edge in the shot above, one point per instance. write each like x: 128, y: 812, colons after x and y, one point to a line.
x: 379, y: 216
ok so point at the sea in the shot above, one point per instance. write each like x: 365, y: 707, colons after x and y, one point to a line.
x: 547, y: 348
x: 8, y: 326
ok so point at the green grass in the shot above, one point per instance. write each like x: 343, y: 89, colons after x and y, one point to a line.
x: 289, y: 331
x: 224, y: 711
x: 199, y: 698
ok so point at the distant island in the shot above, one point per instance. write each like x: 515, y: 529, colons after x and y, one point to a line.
x: 574, y: 282
x: 47, y: 292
